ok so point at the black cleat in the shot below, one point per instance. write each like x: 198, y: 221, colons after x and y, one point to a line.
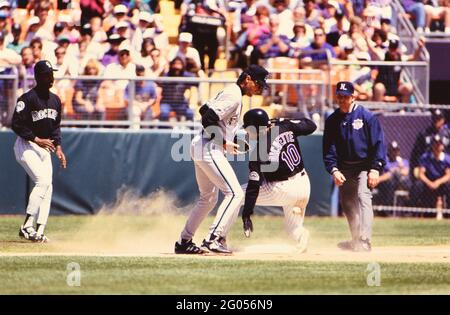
x: 29, y: 234
x: 216, y: 245
x: 188, y: 247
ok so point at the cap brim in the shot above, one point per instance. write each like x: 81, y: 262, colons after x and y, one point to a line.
x: 344, y: 93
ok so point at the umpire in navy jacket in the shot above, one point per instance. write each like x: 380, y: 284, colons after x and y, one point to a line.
x: 354, y: 154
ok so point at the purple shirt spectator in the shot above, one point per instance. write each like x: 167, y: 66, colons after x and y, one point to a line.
x: 274, y: 50
x: 319, y: 56
x: 110, y: 57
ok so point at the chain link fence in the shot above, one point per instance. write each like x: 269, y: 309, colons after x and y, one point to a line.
x: 416, y: 180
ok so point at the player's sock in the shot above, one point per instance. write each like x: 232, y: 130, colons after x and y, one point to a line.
x: 29, y: 221
x: 40, y: 229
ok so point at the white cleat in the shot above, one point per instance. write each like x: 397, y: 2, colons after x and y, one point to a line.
x: 302, y: 244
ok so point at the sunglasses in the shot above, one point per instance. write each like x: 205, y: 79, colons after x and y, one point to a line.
x: 319, y: 34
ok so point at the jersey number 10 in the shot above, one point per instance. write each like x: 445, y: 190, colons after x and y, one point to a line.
x: 291, y: 156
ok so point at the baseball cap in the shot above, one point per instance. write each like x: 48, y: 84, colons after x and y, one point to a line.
x: 120, y: 8
x: 436, y: 115
x: 86, y: 29
x: 43, y: 66
x: 115, y: 38
x: 393, y: 43
x: 258, y: 74
x: 122, y: 24
x: 124, y: 46
x: 345, y: 88
x: 145, y: 16
x: 394, y: 145
x: 385, y: 21
x: 437, y: 139
x: 4, y: 14
x: 34, y: 20
x: 334, y: 4
x: 63, y: 38
x: 16, y: 27
x: 5, y: 4
x: 185, y: 37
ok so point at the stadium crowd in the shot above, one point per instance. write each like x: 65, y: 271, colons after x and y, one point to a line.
x: 111, y: 38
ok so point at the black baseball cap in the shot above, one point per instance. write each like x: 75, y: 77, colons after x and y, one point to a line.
x: 393, y: 43
x: 43, y: 66
x: 345, y: 88
x: 437, y: 115
x: 258, y: 74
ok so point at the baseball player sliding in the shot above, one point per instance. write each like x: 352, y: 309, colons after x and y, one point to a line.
x: 220, y: 117
x: 36, y: 121
x: 277, y: 175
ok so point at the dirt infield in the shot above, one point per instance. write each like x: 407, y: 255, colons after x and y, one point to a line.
x: 283, y: 252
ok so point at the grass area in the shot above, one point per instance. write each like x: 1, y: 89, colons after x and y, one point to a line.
x: 136, y: 275
x: 183, y: 275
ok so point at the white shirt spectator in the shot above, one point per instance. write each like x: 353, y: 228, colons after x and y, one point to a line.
x: 115, y: 70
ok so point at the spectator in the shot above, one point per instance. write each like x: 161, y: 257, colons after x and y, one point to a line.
x: 184, y: 51
x: 319, y: 44
x: 204, y: 36
x: 423, y: 139
x: 112, y: 55
x: 123, y: 29
x: 93, y: 48
x: 434, y: 174
x: 119, y: 14
x: 388, y: 85
x: 271, y: 44
x: 145, y: 59
x: 336, y: 30
x: 90, y: 9
x: 376, y: 45
x: 417, y: 10
x: 99, y: 35
x: 244, y: 15
x: 300, y: 39
x: 46, y: 24
x: 159, y: 66
x: 145, y: 20
x: 123, y: 69
x: 8, y: 57
x: 173, y: 93
x: 395, y: 176
x: 285, y: 18
x: 356, y: 35
x: 363, y: 77
x: 385, y: 26
x: 85, y: 103
x: 17, y: 44
x: 312, y: 14
x: 26, y: 69
x: 33, y: 27
x: 156, y: 32
x: 259, y: 27
x: 438, y: 10
x: 144, y: 96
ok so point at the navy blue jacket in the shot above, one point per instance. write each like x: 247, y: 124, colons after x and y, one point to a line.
x: 353, y: 137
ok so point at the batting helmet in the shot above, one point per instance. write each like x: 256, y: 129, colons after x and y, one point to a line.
x: 256, y: 117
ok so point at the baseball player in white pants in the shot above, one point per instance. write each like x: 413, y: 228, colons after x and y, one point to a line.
x: 220, y: 118
x: 36, y: 121
x: 277, y: 176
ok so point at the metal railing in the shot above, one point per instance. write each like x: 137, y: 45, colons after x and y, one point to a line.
x: 198, y: 90
x: 409, y: 37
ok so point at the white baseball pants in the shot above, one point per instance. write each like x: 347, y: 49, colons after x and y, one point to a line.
x: 213, y: 173
x: 37, y: 163
x: 292, y: 195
